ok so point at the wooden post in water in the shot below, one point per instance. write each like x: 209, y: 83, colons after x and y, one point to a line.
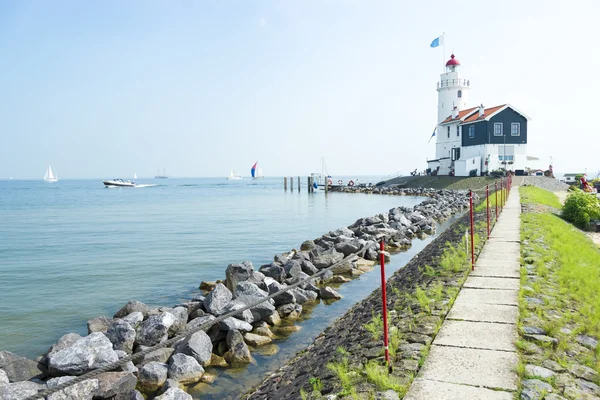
x: 326, y: 185
x: 291, y: 183
x: 285, y: 183
x: 309, y: 184
x: 298, y: 184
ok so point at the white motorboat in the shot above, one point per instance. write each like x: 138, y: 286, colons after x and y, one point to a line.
x: 119, y: 183
x: 49, y: 177
x: 233, y: 176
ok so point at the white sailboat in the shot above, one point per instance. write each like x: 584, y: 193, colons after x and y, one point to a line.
x: 233, y: 176
x: 49, y: 177
x: 256, y: 172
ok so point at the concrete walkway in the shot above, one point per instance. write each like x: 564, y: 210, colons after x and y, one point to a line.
x: 474, y: 355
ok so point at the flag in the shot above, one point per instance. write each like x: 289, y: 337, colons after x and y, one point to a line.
x: 437, y: 41
x: 432, y: 135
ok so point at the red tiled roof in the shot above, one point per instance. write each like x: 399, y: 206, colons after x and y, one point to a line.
x: 461, y: 114
x: 486, y: 113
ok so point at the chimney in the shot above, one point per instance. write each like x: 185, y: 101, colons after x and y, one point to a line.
x: 455, y: 112
x: 481, y: 110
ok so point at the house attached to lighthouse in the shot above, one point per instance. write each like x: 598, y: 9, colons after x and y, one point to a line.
x: 474, y: 141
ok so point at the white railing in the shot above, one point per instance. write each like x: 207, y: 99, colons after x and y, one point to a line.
x: 453, y: 82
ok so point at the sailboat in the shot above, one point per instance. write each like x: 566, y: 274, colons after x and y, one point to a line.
x: 49, y: 177
x: 233, y: 176
x: 256, y: 172
x: 159, y: 176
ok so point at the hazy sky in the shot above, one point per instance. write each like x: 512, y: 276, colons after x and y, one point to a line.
x: 104, y: 88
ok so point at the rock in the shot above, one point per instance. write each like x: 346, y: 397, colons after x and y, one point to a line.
x: 3, y: 378
x: 542, y: 339
x: 132, y: 306
x: 135, y: 395
x: 152, y: 376
x: 303, y: 296
x: 285, y: 297
x: 249, y: 290
x: 583, y: 372
x: 290, y: 311
x: 339, y: 279
x: 350, y: 246
x: 534, y: 370
x: 587, y: 341
x: 216, y: 361
x: 122, y: 336
x: 553, y: 366
x: 207, y: 286
x: 185, y: 369
x: 273, y: 271
x: 328, y: 293
x: 174, y: 394
x: 273, y: 319
x: 18, y: 390
x: 533, y: 330
x: 387, y: 395
x: 236, y: 273
x: 197, y: 314
x: 155, y: 329
x: 65, y: 341
x: 308, y: 267
x: 158, y: 355
x: 238, y: 352
x: 553, y: 396
x: 308, y: 245
x: 410, y: 365
x: 537, y: 386
x: 218, y: 299
x: 181, y: 318
x: 233, y: 323
x: 19, y: 368
x: 256, y: 340
x: 588, y: 387
x: 259, y: 312
x: 112, y: 384
x: 198, y: 346
x: 134, y: 319
x: 292, y: 268
x: 99, y: 324
x: 81, y: 391
x: 327, y: 258
x: 87, y: 353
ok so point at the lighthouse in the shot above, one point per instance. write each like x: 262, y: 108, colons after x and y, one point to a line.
x: 453, y: 91
x: 474, y: 141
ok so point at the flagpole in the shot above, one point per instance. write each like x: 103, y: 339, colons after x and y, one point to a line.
x: 443, y: 52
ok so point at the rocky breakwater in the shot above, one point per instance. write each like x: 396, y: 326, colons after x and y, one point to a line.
x: 160, y: 351
x: 390, y: 190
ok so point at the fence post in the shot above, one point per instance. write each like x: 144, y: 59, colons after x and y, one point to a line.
x: 472, y: 231
x: 487, y: 208
x: 285, y: 183
x: 384, y: 299
x: 501, y: 194
x: 298, y: 183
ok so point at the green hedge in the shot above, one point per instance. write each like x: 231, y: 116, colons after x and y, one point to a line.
x: 580, y: 208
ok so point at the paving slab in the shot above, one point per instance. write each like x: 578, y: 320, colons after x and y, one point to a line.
x: 493, y: 260
x: 485, y: 368
x: 495, y: 256
x: 470, y: 297
x: 481, y: 282
x: 504, y: 246
x: 497, y: 272
x: 477, y: 335
x: 484, y: 313
x: 425, y: 389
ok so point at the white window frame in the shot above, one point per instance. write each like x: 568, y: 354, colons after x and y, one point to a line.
x: 458, y: 131
x: 448, y: 131
x: 512, y: 130
x: 501, y: 125
x: 459, y: 94
x: 471, y: 131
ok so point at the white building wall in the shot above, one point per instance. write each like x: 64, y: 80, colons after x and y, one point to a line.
x: 448, y: 86
x: 464, y: 167
x: 444, y: 144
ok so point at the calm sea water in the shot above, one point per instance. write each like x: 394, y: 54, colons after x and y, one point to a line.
x: 74, y: 250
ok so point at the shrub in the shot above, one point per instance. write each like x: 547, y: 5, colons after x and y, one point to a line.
x: 580, y: 208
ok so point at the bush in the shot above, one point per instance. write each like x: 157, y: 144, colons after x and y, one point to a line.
x: 580, y: 208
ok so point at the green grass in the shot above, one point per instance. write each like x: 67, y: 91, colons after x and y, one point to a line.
x: 379, y: 376
x: 577, y: 264
x: 534, y: 195
x: 482, y: 206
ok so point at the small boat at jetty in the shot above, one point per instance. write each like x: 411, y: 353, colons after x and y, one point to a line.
x: 119, y: 183
x: 233, y: 176
x: 49, y: 177
x: 256, y: 172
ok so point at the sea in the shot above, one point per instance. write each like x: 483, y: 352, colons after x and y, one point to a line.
x: 74, y: 250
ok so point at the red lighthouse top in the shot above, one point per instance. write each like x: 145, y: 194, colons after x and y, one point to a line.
x: 452, y: 61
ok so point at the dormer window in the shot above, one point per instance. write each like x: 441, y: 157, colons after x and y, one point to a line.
x: 460, y: 94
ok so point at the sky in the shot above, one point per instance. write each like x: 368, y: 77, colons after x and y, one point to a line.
x: 103, y: 89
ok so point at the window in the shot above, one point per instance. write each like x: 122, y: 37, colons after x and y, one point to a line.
x: 448, y: 132
x: 460, y: 94
x: 457, y: 131
x: 506, y: 158
x: 515, y: 129
x: 471, y: 131
x: 498, y: 129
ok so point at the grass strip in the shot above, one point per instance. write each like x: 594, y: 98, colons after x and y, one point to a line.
x: 535, y: 195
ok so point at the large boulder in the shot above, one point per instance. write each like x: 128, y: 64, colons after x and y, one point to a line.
x: 65, y: 341
x: 3, y: 378
x: 174, y: 394
x: 349, y: 246
x: 158, y: 355
x: 122, y: 336
x: 236, y: 306
x: 132, y: 306
x: 290, y: 311
x: 249, y: 289
x: 307, y: 245
x: 308, y: 267
x: 134, y: 319
x: 19, y: 368
x: 302, y: 296
x: 155, y: 329
x: 327, y: 258
x: 285, y: 297
x: 236, y: 273
x: 181, y: 318
x: 292, y: 268
x: 99, y: 324
x: 218, y: 299
x: 198, y: 346
x: 238, y: 352
x: 233, y: 323
x: 152, y: 376
x: 185, y: 369
x: 274, y: 271
x: 18, y: 390
x: 81, y: 391
x: 115, y: 384
x: 328, y: 293
x: 90, y: 352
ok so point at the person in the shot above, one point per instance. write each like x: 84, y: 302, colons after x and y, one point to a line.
x: 585, y: 186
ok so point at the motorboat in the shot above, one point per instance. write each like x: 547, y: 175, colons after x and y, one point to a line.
x: 119, y: 183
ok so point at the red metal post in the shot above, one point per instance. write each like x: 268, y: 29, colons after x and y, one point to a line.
x: 496, y: 183
x: 384, y: 298
x: 472, y: 231
x: 501, y: 194
x: 487, y: 208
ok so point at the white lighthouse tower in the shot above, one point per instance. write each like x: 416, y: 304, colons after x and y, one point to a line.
x: 453, y: 91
